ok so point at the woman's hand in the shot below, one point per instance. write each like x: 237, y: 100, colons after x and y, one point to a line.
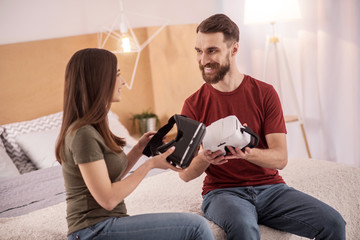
x: 144, y: 140
x: 201, y: 162
x: 159, y: 161
x: 215, y: 158
x: 136, y: 152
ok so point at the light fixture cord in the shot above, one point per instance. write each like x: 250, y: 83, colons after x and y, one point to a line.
x: 123, y: 27
x: 274, y: 38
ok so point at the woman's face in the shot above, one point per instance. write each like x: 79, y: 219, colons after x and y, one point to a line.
x: 118, y: 84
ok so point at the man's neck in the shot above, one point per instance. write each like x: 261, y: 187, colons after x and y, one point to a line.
x: 230, y: 82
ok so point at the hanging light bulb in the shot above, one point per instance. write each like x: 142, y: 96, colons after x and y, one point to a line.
x: 126, y: 41
x: 125, y: 44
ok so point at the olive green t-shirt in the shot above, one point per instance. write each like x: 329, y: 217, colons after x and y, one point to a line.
x: 83, y: 146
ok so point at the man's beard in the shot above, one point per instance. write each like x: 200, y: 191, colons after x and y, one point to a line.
x: 220, y: 73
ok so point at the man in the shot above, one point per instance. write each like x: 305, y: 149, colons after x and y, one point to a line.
x: 244, y: 189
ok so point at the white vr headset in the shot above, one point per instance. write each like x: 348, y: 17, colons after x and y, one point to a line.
x: 228, y: 131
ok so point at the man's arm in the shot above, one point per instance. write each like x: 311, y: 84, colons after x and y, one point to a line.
x: 200, y: 163
x: 274, y: 157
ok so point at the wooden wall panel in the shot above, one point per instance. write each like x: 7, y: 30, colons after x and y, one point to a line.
x: 32, y: 78
x: 32, y: 74
x: 175, y: 72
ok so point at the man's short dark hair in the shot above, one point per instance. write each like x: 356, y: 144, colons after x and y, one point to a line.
x: 220, y: 23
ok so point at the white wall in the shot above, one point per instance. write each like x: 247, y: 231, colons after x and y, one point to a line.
x: 28, y: 20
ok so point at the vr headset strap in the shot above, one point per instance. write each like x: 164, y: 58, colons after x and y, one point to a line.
x: 156, y: 140
x: 254, y: 139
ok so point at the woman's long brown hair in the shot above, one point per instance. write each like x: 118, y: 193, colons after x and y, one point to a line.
x: 90, y: 79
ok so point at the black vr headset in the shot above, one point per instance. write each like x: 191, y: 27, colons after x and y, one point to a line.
x: 189, y: 136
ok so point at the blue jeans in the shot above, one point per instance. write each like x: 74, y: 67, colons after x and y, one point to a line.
x: 159, y: 226
x: 239, y: 211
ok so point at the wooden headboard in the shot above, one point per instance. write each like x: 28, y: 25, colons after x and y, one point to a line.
x: 32, y: 74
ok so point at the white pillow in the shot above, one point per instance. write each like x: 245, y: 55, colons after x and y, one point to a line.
x: 7, y: 167
x: 120, y: 130
x: 40, y: 147
x: 11, y: 130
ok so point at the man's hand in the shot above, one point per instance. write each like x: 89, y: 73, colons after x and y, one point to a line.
x: 273, y: 157
x: 238, y: 153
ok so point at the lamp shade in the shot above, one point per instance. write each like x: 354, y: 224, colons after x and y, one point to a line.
x: 271, y: 11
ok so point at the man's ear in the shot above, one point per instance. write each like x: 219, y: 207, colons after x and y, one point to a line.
x: 234, y: 48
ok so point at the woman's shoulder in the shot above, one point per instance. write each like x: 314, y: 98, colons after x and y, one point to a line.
x: 83, y: 133
x: 86, y: 129
x: 84, y: 137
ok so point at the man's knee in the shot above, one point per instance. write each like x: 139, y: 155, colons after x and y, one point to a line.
x: 242, y: 228
x: 333, y: 226
x: 337, y: 226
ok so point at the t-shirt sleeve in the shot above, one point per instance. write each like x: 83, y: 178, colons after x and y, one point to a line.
x: 187, y: 110
x: 85, y: 147
x: 274, y: 118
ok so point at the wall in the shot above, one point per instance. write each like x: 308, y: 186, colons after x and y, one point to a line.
x: 322, y: 48
x: 32, y: 74
x: 34, y: 20
x: 175, y: 72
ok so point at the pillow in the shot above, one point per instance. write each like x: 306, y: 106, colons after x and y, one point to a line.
x: 40, y: 147
x: 18, y: 156
x: 7, y: 167
x: 120, y: 130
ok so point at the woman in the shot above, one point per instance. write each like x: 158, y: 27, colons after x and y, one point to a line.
x: 94, y: 164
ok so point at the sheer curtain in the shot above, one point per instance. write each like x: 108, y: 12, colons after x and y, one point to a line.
x: 323, y: 49
x: 329, y: 63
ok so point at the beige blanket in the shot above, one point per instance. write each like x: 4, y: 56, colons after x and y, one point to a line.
x: 336, y: 184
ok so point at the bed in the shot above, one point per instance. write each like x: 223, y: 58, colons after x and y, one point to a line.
x: 32, y: 195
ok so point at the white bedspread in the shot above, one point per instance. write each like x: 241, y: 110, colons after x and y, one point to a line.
x: 31, y: 191
x: 336, y: 184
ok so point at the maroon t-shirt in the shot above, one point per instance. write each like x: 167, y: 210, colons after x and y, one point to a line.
x: 255, y: 103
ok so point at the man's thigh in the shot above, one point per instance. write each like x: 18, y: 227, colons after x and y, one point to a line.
x: 287, y: 209
x: 234, y: 211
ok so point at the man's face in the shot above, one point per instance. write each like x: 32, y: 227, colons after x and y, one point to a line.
x: 213, y: 56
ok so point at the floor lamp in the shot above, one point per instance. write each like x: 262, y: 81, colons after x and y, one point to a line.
x: 272, y: 11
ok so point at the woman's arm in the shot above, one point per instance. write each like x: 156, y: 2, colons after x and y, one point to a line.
x: 108, y: 194
x: 200, y: 163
